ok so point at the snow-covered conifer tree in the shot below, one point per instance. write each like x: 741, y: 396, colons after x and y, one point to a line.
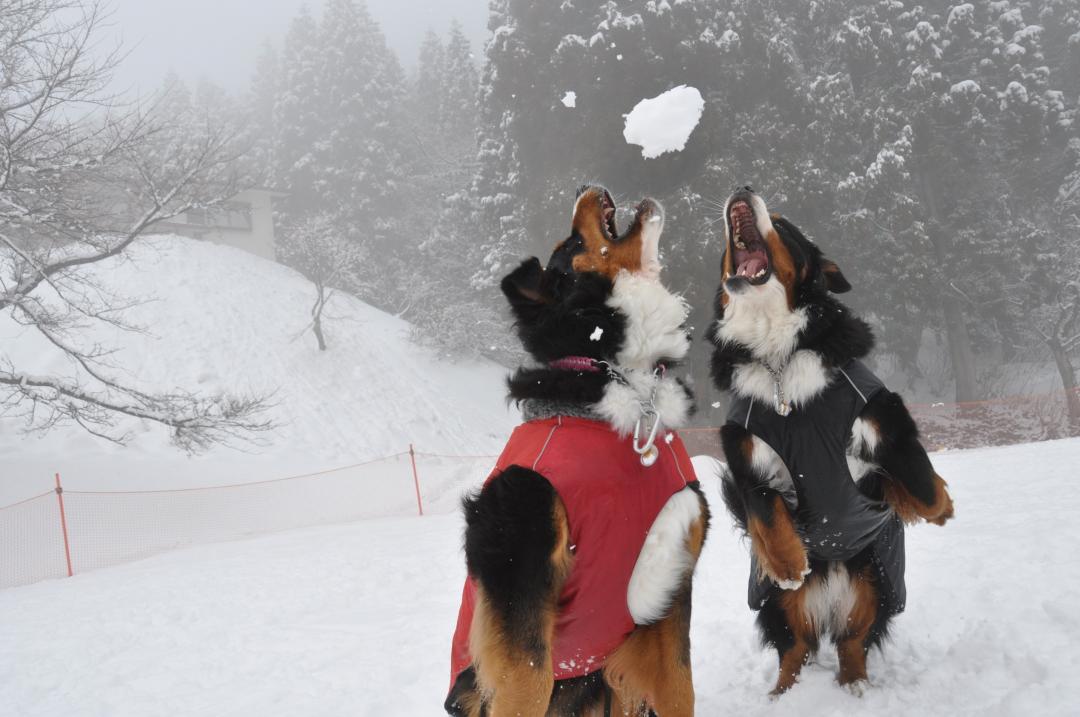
x: 298, y: 118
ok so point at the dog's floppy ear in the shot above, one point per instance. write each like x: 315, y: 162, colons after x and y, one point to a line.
x: 835, y: 281
x: 831, y: 278
x: 522, y: 288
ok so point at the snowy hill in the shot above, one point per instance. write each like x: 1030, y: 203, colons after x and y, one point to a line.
x: 224, y: 320
x: 356, y: 619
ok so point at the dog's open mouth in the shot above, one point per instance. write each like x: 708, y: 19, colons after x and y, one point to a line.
x: 607, y: 216
x: 749, y: 253
x: 644, y: 210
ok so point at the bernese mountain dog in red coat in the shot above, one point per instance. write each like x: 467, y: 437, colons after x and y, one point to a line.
x: 824, y: 464
x: 582, y: 543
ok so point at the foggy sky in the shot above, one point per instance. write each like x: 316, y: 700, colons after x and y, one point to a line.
x: 220, y: 39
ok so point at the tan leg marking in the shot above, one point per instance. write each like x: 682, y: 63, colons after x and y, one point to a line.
x: 791, y: 662
x: 512, y: 682
x: 851, y: 647
x: 778, y: 547
x: 910, y: 509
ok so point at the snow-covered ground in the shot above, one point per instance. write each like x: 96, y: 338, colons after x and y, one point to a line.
x: 356, y: 619
x: 220, y: 319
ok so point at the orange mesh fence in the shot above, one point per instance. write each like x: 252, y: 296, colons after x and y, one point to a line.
x: 31, y: 541
x: 110, y: 527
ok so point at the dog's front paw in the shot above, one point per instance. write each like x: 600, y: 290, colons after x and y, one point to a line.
x: 789, y: 578
x: 786, y: 564
x: 942, y: 503
x: 946, y: 514
x: 779, y: 550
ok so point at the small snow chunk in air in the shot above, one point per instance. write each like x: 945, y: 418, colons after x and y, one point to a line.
x: 663, y: 123
x: 569, y: 99
x: 596, y: 334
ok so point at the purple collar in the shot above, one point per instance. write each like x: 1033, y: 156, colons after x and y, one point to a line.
x: 575, y: 363
x: 584, y: 364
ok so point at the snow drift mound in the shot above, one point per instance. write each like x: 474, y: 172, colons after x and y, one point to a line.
x: 221, y: 320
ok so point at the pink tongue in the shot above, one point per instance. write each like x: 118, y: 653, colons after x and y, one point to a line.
x: 751, y: 266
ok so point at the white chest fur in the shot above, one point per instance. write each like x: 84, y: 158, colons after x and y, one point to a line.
x: 654, y: 332
x: 802, y: 379
x: 664, y: 560
x: 760, y: 320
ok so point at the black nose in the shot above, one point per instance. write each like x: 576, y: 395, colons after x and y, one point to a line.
x: 745, y: 188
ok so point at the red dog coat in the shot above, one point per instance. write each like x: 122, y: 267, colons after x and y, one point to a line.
x: 611, y: 502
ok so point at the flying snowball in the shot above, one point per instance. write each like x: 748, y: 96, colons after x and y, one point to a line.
x: 664, y: 123
x: 569, y: 99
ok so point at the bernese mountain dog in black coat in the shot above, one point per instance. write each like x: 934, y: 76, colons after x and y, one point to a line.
x: 824, y: 464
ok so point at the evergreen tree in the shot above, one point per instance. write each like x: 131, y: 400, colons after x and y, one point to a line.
x: 265, y: 88
x: 962, y: 112
x: 450, y: 309
x: 337, y: 137
x: 429, y: 84
x: 359, y: 154
x: 298, y: 119
x: 457, y: 104
x: 499, y: 195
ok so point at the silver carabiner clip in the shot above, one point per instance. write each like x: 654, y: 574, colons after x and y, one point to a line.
x: 648, y: 450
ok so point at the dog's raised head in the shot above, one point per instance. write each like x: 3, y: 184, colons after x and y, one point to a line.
x: 775, y: 305
x: 764, y: 248
x: 599, y: 305
x: 597, y: 245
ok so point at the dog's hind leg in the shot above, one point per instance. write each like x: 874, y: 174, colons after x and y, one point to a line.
x: 651, y: 670
x: 464, y: 699
x: 517, y: 549
x: 855, y: 640
x: 785, y: 625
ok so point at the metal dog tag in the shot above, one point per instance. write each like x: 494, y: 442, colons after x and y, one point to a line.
x: 649, y: 456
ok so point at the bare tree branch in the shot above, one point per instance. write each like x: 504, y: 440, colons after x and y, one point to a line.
x: 82, y: 178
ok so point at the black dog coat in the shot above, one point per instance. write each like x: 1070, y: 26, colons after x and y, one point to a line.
x: 836, y: 520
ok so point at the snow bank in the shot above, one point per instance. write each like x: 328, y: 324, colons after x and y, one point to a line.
x: 220, y: 319
x: 664, y: 123
x: 356, y: 619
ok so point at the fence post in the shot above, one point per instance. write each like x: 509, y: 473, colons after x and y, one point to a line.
x: 63, y: 523
x: 416, y: 480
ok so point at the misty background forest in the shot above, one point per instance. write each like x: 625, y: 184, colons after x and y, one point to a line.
x: 930, y: 148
